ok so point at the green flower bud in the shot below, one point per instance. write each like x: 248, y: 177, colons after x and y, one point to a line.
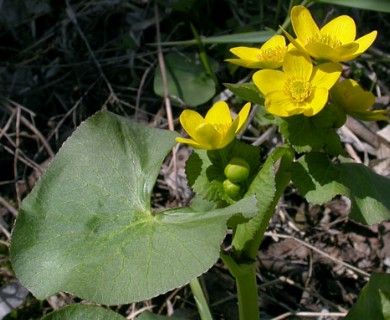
x: 231, y: 189
x: 237, y: 170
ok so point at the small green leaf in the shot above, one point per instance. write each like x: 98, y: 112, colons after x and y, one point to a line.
x: 88, y: 227
x: 257, y: 37
x: 374, y: 300
x: 375, y: 5
x: 320, y: 180
x: 316, y: 133
x: 246, y: 91
x: 187, y: 79
x: 83, y: 312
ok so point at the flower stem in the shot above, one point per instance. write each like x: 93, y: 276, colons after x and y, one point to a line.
x: 201, y: 303
x: 245, y: 275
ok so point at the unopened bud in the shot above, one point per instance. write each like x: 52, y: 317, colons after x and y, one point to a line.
x: 237, y: 170
x: 231, y: 189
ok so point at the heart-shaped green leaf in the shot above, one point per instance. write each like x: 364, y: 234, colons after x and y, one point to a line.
x: 187, y: 79
x: 319, y: 180
x: 88, y: 227
x: 83, y: 312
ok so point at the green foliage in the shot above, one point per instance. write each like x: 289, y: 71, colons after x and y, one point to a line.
x: 319, y: 180
x: 246, y: 91
x: 151, y: 316
x: 88, y: 227
x: 83, y: 312
x: 375, y: 5
x: 243, y: 37
x: 316, y: 133
x: 374, y: 300
x: 188, y: 81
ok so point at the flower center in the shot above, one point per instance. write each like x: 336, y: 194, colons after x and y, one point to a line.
x: 327, y: 39
x: 221, y: 128
x: 275, y: 53
x: 298, y: 89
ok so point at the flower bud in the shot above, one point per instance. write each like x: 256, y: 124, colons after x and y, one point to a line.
x: 231, y: 189
x: 237, y: 170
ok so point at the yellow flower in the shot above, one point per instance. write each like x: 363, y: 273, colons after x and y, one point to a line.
x: 335, y: 41
x: 299, y: 88
x: 216, y: 130
x: 269, y: 56
x: 348, y: 95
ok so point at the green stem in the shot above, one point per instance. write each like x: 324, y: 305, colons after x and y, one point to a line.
x: 201, y: 303
x: 245, y: 275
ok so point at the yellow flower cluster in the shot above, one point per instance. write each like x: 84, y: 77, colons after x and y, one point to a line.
x: 289, y: 80
x: 291, y: 83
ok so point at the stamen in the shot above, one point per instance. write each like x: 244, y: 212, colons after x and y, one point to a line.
x: 327, y: 39
x: 298, y: 89
x: 275, y: 53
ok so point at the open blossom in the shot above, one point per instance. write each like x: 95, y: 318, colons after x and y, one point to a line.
x: 335, y: 41
x: 216, y: 130
x: 269, y: 56
x: 300, y: 88
x: 348, y: 95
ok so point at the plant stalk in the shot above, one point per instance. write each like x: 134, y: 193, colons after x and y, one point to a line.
x: 200, y: 299
x: 245, y: 275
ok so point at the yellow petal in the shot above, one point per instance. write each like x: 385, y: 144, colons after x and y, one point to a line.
x: 293, y: 42
x: 375, y: 115
x: 256, y: 64
x: 280, y: 104
x: 361, y: 102
x: 347, y: 50
x: 246, y: 53
x: 296, y: 64
x: 228, y: 136
x: 207, y: 136
x: 342, y: 28
x: 316, y: 102
x: 326, y: 75
x: 242, y: 117
x: 303, y: 23
x: 274, y: 42
x: 219, y: 114
x: 190, y: 142
x: 324, y: 52
x: 190, y: 120
x: 350, y: 96
x: 269, y: 80
x: 364, y: 43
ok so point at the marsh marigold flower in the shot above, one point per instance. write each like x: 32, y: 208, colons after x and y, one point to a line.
x: 216, y: 130
x: 335, y: 41
x: 299, y: 88
x: 269, y: 56
x: 348, y: 95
